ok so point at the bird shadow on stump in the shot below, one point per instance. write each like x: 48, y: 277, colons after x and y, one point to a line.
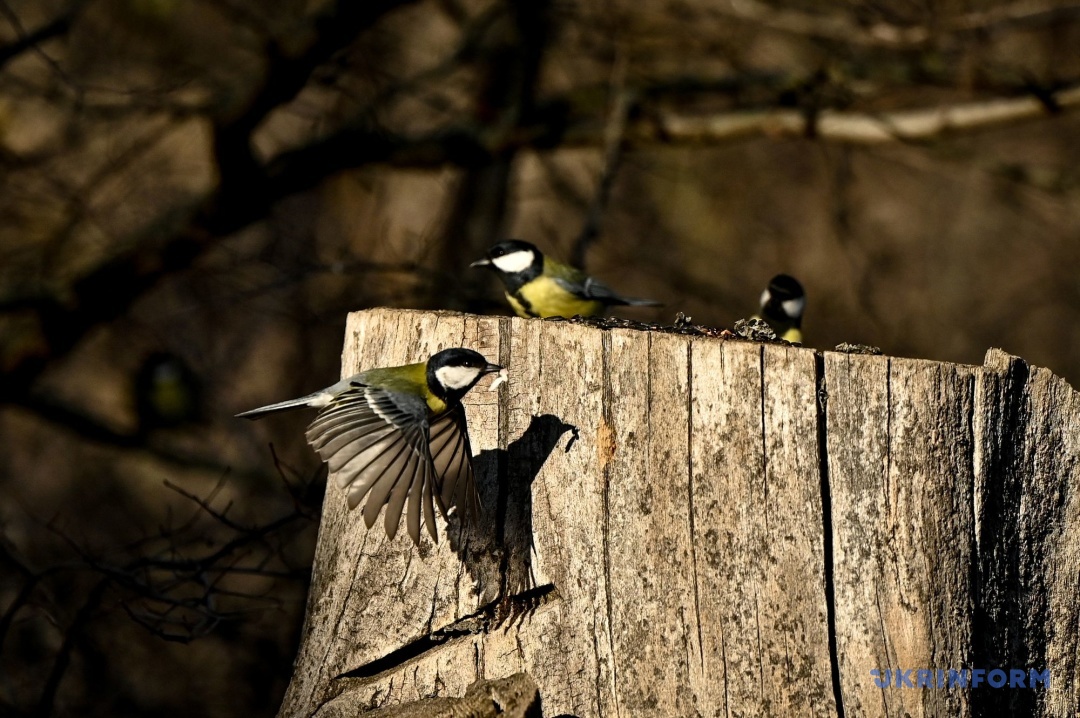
x: 497, y: 549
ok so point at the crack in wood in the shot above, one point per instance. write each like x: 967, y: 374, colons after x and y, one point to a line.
x: 1001, y: 617
x: 827, y: 529
x: 764, y: 443
x: 608, y: 453
x: 690, y: 491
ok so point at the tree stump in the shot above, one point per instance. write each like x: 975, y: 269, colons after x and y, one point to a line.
x: 683, y: 526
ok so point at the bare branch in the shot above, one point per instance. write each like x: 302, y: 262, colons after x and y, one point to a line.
x: 287, y: 74
x: 845, y: 29
x: 92, y: 429
x: 614, y: 142
x: 32, y: 40
x: 72, y: 635
x: 247, y: 190
x: 204, y: 504
x: 861, y: 128
x: 241, y: 198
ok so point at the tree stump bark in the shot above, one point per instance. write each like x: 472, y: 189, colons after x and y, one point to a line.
x: 683, y: 526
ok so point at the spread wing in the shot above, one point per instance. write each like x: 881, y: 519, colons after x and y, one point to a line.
x: 375, y: 443
x: 452, y: 457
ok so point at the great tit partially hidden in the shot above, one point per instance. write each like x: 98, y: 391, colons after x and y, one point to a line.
x: 399, y: 433
x: 782, y: 305
x: 167, y: 392
x: 537, y: 286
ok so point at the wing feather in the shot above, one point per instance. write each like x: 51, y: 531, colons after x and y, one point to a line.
x: 336, y: 437
x: 586, y: 287
x: 409, y: 476
x: 362, y: 445
x: 360, y: 472
x: 444, y: 445
x: 375, y: 443
x: 452, y: 460
x: 379, y: 446
x: 412, y: 520
x: 428, y: 503
x: 389, y: 467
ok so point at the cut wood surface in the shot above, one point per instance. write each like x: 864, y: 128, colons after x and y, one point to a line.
x: 689, y: 526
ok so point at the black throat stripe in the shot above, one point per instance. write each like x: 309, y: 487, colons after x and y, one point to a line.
x: 525, y: 304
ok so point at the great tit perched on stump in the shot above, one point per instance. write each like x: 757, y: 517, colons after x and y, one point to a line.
x: 537, y: 286
x: 782, y: 305
x: 398, y: 434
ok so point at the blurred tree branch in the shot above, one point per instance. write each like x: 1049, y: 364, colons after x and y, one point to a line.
x: 245, y: 195
x: 287, y: 73
x: 504, y: 104
x: 248, y: 188
x: 241, y: 197
x: 91, y: 429
x: 847, y: 29
x: 863, y: 127
x: 622, y: 103
x: 27, y: 41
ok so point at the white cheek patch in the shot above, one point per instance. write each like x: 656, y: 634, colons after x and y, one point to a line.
x: 794, y: 307
x: 765, y: 297
x: 514, y: 262
x: 457, y: 377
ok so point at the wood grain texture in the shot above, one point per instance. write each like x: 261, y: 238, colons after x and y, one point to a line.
x: 900, y: 479
x: 679, y: 526
x: 515, y: 696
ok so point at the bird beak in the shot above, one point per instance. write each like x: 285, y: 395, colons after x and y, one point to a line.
x: 492, y: 368
x: 482, y: 262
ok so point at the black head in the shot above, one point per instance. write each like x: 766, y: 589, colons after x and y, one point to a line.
x: 452, y: 372
x: 513, y: 257
x: 784, y: 299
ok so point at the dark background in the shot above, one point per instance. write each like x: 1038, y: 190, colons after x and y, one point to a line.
x: 223, y: 180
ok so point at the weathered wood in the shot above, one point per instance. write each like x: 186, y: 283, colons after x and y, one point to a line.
x: 689, y: 526
x: 515, y: 696
x: 900, y: 479
x: 758, y: 533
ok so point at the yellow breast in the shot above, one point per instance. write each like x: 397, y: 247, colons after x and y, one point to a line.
x: 793, y: 335
x: 435, y: 405
x: 544, y: 297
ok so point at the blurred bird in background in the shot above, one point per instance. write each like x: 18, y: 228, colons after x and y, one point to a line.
x: 167, y: 393
x: 537, y: 286
x: 782, y: 305
x: 397, y: 434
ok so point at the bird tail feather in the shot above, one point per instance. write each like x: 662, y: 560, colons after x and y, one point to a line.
x: 275, y: 408
x: 635, y: 302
